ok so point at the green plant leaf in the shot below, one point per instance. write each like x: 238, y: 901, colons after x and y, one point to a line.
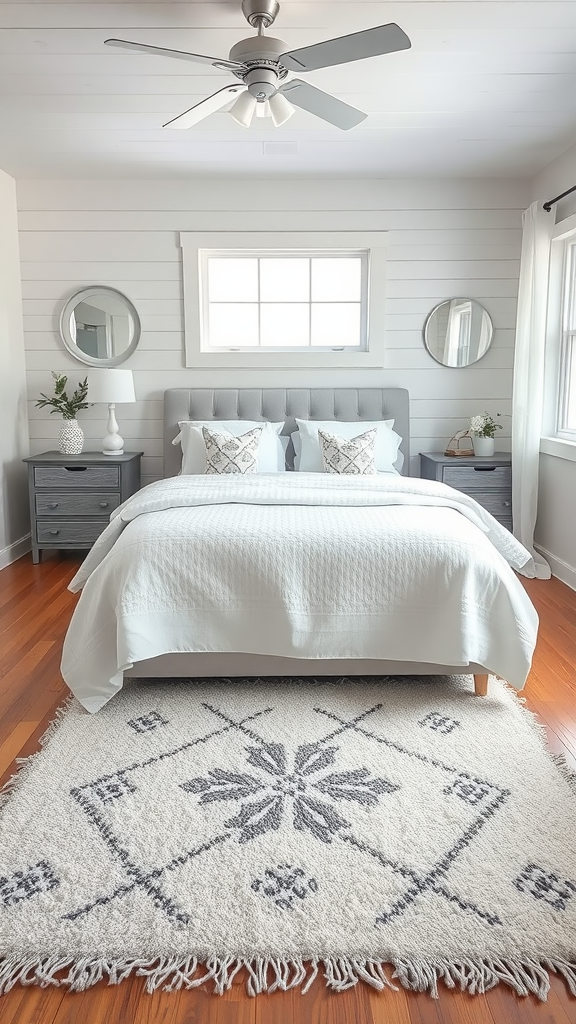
x: 61, y: 402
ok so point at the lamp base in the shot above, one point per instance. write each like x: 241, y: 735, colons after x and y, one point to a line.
x: 112, y: 444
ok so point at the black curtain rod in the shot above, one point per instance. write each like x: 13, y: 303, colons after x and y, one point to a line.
x: 550, y: 202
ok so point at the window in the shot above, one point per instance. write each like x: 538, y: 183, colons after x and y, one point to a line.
x: 567, y: 389
x: 281, y: 298
x: 272, y: 300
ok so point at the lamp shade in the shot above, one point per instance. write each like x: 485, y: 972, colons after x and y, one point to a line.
x: 111, y: 386
x: 242, y: 110
x: 280, y: 109
x: 263, y: 108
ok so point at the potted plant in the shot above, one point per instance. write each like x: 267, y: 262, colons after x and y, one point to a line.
x: 71, y: 439
x: 483, y: 430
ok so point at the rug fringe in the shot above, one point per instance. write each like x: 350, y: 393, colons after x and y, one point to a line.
x: 559, y: 760
x: 526, y: 976
x: 26, y: 764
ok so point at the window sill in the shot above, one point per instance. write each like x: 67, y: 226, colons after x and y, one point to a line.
x: 559, y: 447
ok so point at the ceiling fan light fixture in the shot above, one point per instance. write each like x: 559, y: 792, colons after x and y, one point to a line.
x: 280, y: 109
x: 242, y: 110
x: 263, y: 108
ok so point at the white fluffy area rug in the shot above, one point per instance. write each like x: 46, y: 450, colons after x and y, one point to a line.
x: 390, y: 831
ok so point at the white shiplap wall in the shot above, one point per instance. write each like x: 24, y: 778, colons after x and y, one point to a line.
x: 445, y: 238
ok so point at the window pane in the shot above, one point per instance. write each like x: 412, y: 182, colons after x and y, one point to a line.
x: 336, y: 324
x: 232, y: 325
x: 336, y: 279
x: 285, y: 280
x: 284, y: 324
x: 571, y: 388
x: 571, y: 290
x: 233, y: 280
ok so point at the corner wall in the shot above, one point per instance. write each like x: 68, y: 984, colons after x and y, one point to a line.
x: 14, y: 517
x: 555, y: 534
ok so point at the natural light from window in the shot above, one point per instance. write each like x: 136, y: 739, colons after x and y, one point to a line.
x: 567, y: 395
x: 257, y: 301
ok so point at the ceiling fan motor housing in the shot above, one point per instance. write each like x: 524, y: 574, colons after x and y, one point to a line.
x: 260, y: 54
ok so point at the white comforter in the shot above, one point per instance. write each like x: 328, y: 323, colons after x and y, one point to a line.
x: 299, y: 565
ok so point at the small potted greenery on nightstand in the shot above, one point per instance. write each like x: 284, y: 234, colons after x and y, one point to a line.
x: 483, y: 430
x: 71, y: 439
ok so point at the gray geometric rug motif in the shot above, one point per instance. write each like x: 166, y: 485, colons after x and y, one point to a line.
x: 391, y: 831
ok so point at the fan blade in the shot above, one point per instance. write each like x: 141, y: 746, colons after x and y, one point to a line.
x: 201, y: 110
x: 328, y: 107
x: 197, y: 58
x: 370, y: 43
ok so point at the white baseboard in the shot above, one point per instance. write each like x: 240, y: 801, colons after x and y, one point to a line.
x: 561, y: 569
x: 14, y: 551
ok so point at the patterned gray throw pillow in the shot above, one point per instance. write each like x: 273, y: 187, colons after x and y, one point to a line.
x: 226, y: 453
x: 354, y: 456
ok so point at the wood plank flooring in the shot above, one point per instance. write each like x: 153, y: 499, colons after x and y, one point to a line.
x: 35, y: 608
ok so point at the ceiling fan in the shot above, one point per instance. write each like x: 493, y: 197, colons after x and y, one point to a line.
x: 261, y: 62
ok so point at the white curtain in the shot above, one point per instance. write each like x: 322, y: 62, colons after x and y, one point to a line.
x: 528, y: 386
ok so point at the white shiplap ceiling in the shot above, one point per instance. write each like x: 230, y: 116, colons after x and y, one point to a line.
x: 488, y: 88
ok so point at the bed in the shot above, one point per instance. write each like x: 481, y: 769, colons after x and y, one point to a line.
x: 402, y: 576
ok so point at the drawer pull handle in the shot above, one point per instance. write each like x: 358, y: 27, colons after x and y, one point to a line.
x: 54, y: 532
x: 75, y: 469
x: 103, y: 504
x: 53, y: 504
x: 484, y: 469
x: 506, y: 504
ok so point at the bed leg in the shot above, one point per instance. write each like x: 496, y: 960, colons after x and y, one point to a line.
x: 481, y: 685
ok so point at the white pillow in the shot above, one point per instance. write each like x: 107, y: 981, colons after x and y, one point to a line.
x: 271, y: 457
x: 309, y: 458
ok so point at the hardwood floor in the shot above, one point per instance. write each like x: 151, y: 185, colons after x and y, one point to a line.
x: 35, y: 608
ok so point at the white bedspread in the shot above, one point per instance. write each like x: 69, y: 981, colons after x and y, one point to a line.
x: 301, y: 566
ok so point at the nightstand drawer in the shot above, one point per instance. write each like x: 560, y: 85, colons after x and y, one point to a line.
x: 499, y: 504
x: 70, y: 532
x: 470, y: 478
x: 79, y: 504
x: 77, y: 477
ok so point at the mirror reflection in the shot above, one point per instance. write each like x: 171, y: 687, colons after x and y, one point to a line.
x: 100, y: 326
x: 458, y: 332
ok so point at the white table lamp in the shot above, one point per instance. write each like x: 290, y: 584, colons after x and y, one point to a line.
x: 112, y: 387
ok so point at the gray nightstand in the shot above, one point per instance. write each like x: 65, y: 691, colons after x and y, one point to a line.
x: 487, y: 479
x: 72, y: 496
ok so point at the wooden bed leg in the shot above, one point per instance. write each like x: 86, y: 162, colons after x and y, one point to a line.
x: 480, y: 685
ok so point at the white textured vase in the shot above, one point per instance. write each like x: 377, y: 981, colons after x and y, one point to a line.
x: 483, y: 445
x: 71, y: 439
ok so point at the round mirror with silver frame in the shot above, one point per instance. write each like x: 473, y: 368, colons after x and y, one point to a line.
x: 458, y: 332
x: 100, y: 326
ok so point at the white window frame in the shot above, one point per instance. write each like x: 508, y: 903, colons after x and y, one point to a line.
x: 556, y: 440
x: 193, y: 243
x: 567, y: 354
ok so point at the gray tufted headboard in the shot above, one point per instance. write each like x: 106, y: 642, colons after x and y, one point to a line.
x: 277, y: 404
